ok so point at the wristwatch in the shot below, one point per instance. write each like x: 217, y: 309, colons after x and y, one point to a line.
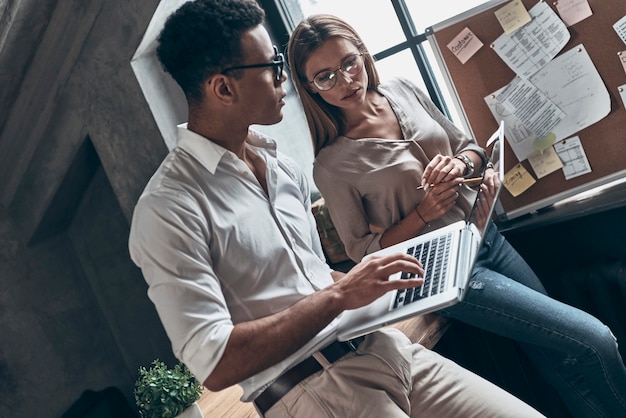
x: 469, y: 164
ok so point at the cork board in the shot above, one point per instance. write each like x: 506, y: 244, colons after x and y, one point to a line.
x: 604, y: 142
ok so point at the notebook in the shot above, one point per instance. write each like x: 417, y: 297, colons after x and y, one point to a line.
x: 448, y: 255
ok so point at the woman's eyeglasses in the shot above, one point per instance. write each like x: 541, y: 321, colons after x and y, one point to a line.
x: 326, y: 79
x: 277, y: 63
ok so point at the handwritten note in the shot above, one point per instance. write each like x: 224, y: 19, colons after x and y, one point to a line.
x: 573, y: 11
x: 620, y: 28
x: 534, y: 45
x: 518, y: 180
x: 545, y: 162
x: 512, y: 16
x: 465, y: 45
x: 575, y: 162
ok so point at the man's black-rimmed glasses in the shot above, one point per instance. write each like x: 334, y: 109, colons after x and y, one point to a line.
x: 277, y: 63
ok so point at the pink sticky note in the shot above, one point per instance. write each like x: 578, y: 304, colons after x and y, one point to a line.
x: 465, y: 45
x: 573, y: 11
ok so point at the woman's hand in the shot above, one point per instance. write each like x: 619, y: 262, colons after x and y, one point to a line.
x: 439, y: 199
x: 442, y: 168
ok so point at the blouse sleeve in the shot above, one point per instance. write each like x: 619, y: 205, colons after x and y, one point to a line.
x: 347, y: 213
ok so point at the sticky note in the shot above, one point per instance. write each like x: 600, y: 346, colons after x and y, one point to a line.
x: 512, y: 16
x: 545, y: 162
x: 518, y: 180
x: 544, y: 143
x: 573, y: 11
x: 465, y: 45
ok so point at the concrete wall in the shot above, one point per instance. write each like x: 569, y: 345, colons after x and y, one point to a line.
x: 78, y: 142
x: 74, y: 315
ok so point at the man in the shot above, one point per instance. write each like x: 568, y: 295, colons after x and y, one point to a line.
x: 226, y: 240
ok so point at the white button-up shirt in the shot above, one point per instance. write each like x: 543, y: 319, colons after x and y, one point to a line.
x: 216, y: 250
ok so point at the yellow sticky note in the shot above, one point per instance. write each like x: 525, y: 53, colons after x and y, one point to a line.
x: 518, y: 180
x: 545, y: 162
x: 513, y: 16
x: 541, y: 144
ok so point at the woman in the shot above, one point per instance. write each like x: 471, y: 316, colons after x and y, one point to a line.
x: 374, y: 145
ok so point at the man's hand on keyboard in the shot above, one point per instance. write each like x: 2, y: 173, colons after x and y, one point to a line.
x: 369, y: 279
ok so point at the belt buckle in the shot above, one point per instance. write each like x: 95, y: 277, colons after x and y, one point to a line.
x: 351, y: 344
x: 354, y: 343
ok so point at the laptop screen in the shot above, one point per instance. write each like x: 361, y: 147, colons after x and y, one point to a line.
x: 488, y: 190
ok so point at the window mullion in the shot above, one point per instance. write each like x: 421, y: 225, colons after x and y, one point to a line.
x: 415, y: 45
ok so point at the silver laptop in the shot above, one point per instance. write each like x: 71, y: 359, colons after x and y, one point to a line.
x: 448, y: 255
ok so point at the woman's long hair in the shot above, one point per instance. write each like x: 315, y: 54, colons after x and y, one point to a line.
x: 325, y: 121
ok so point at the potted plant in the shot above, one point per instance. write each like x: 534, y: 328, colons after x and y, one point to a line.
x: 161, y: 392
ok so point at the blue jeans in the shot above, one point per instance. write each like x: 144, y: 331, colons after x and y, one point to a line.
x: 574, y: 351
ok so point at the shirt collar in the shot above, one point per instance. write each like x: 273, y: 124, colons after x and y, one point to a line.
x: 208, y: 153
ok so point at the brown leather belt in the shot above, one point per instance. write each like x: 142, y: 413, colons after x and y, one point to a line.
x: 301, y: 371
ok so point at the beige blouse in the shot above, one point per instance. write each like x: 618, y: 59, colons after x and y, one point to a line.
x: 369, y: 184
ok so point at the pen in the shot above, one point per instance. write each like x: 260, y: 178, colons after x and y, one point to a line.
x: 465, y: 181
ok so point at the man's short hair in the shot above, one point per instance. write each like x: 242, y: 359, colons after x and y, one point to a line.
x: 204, y: 36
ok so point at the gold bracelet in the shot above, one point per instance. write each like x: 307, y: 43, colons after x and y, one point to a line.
x: 421, y: 217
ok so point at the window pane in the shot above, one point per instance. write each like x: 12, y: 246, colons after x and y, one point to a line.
x: 401, y: 64
x: 375, y: 21
x: 441, y: 82
x: 434, y: 12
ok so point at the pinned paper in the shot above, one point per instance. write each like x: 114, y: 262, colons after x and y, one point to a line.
x: 573, y: 84
x: 532, y: 47
x: 573, y: 11
x: 465, y: 45
x: 622, y: 93
x: 620, y: 28
x: 518, y: 180
x: 622, y: 57
x: 531, y: 106
x: 512, y: 16
x: 575, y: 162
x: 545, y: 162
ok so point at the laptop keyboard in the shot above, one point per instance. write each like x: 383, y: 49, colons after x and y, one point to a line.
x: 434, y: 256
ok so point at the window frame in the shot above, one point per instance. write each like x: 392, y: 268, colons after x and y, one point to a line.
x: 283, y: 16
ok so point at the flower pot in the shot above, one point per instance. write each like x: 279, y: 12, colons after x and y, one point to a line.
x: 192, y: 412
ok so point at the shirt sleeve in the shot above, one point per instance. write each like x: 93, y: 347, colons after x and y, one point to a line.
x: 168, y: 241
x: 301, y: 180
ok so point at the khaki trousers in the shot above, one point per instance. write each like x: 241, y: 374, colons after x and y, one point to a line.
x: 389, y: 377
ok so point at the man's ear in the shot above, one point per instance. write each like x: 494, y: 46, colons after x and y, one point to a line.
x: 221, y: 88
